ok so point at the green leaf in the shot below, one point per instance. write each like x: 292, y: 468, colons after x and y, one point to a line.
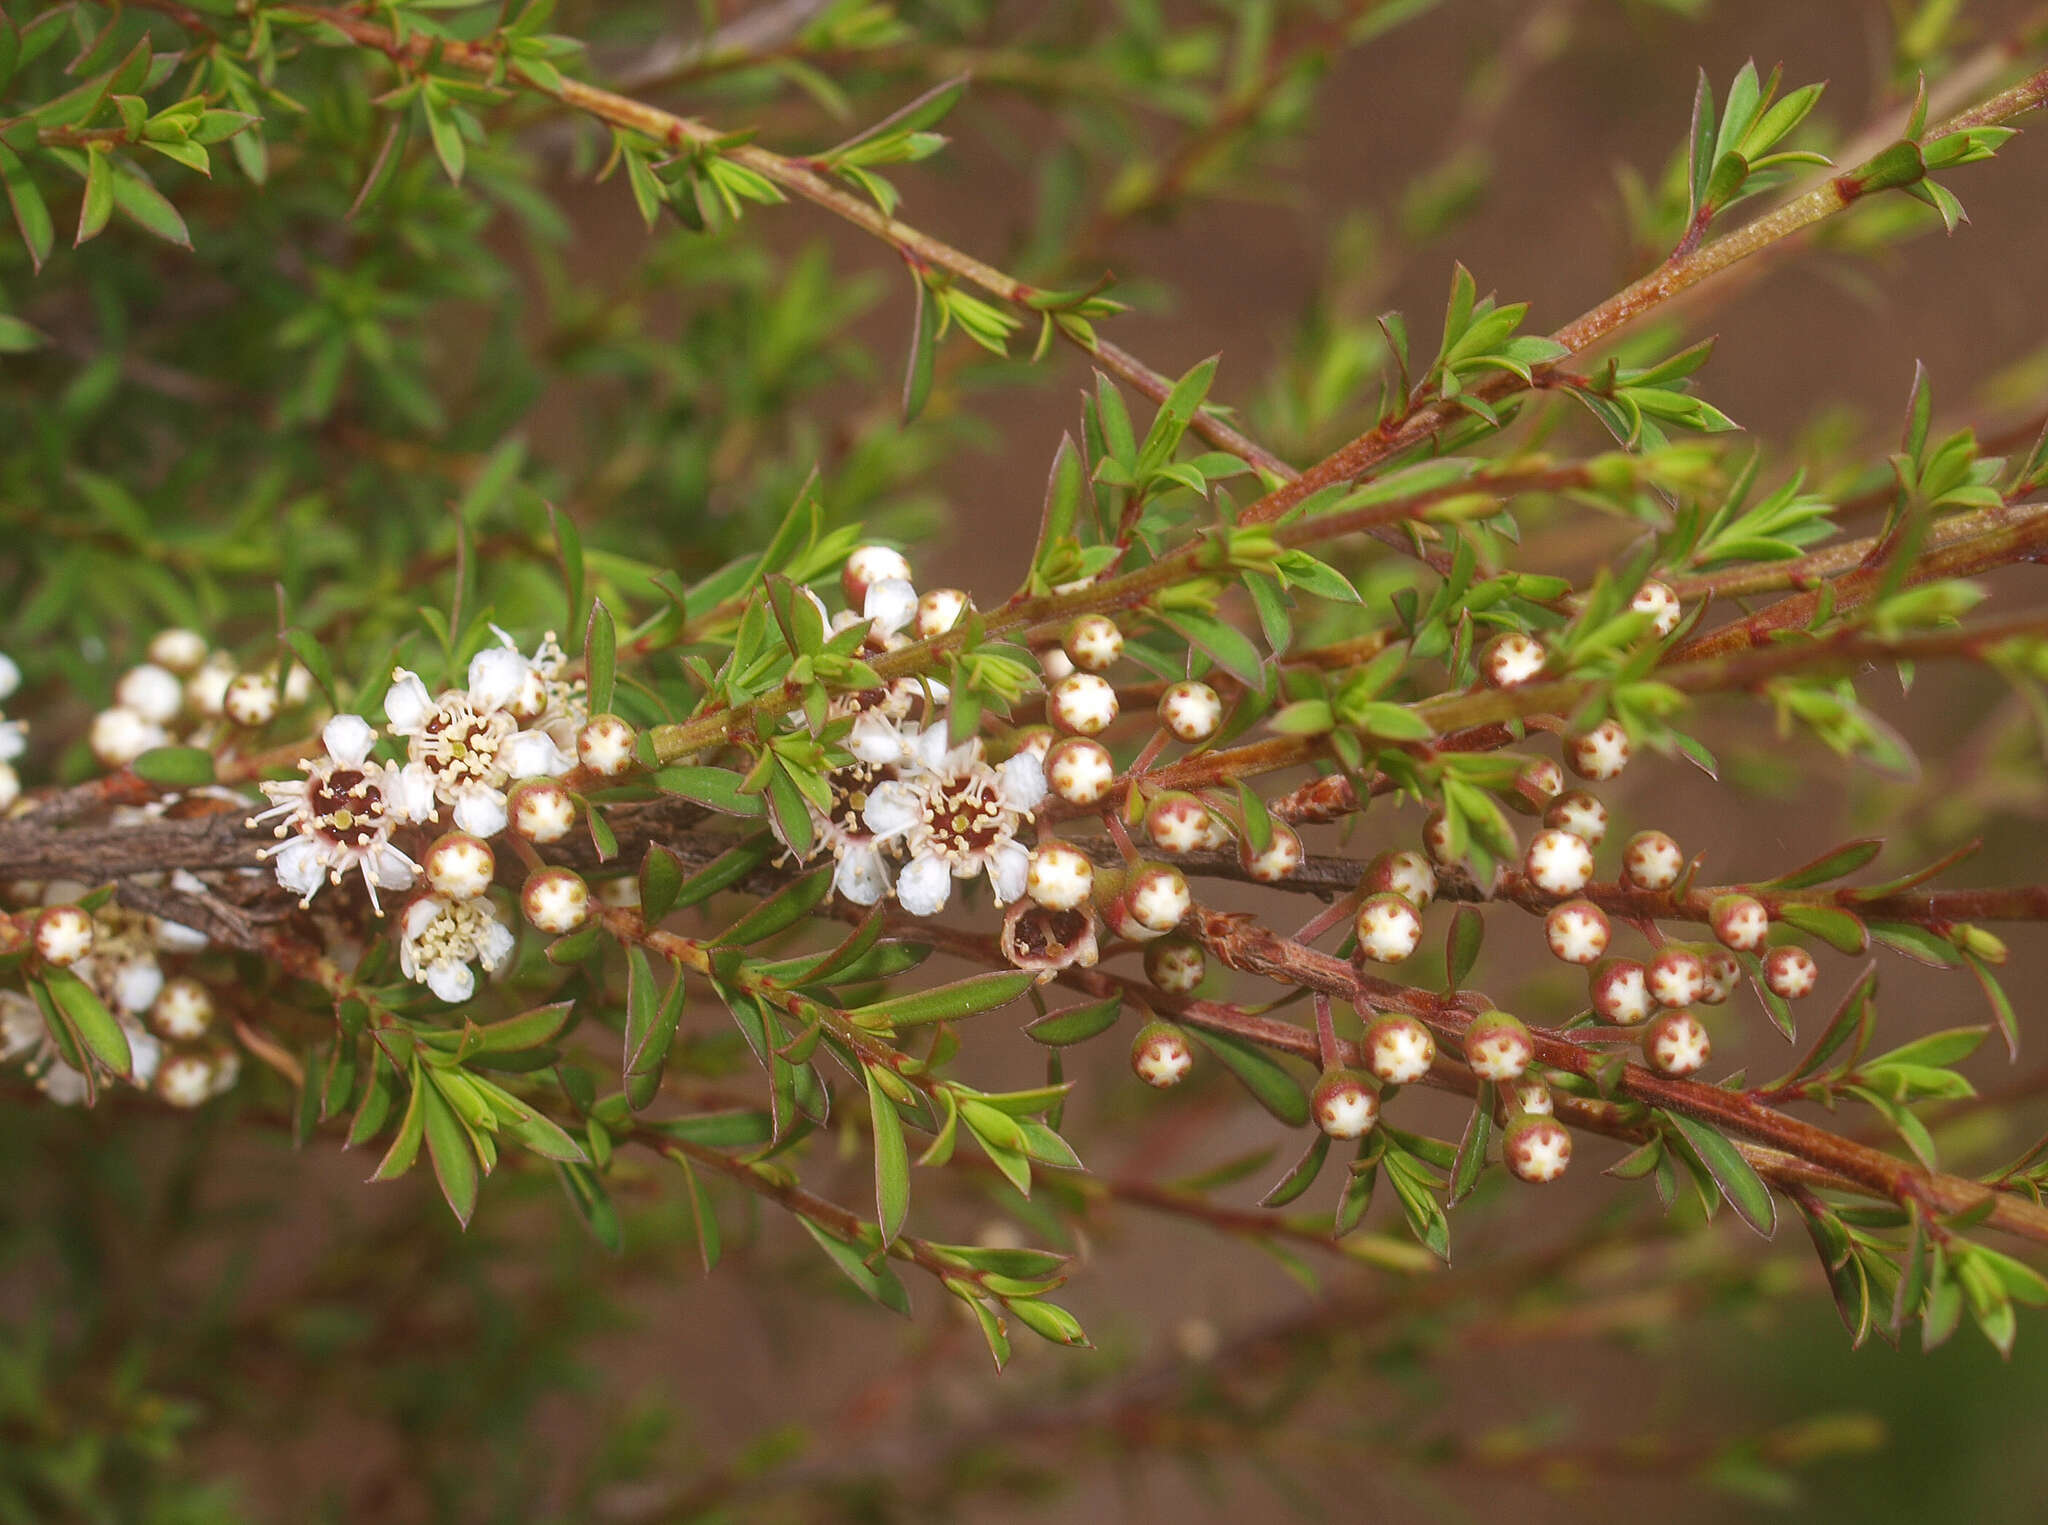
x: 1471, y: 1160
x: 715, y: 788
x: 1048, y: 1321
x: 98, y: 203
x: 1838, y: 928
x: 2001, y: 1004
x: 448, y: 1146
x: 175, y: 767
x: 917, y: 370
x: 405, y: 1148
x: 1230, y: 647
x: 1302, y: 1175
x: 96, y: 1027
x: 892, y: 1160
x: 144, y: 205
x: 512, y: 1035
x: 781, y: 911
x: 710, y: 1243
x: 1737, y: 1178
x: 1075, y: 1024
x: 1274, y: 1088
x: 600, y: 656
x: 1462, y: 944
x: 1836, y: 863
x: 878, y: 1281
x: 944, y: 1003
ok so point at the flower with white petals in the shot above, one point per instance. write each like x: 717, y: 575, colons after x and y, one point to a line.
x: 465, y: 747
x: 439, y: 939
x: 956, y: 816
x: 338, y: 817
x: 881, y: 751
x: 21, y: 1026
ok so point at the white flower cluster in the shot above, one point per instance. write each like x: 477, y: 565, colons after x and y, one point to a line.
x: 12, y: 740
x: 907, y: 795
x: 516, y: 719
x: 164, y: 1019
x: 184, y: 694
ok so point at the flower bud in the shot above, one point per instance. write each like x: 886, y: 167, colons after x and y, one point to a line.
x: 1154, y: 900
x: 1537, y: 1148
x: 1558, y: 862
x: 1080, y: 771
x: 1399, y: 1050
x: 1192, y: 711
x: 1723, y: 975
x: 63, y: 935
x: 1676, y: 976
x: 1407, y: 873
x: 151, y: 691
x: 1620, y: 991
x: 1160, y: 1055
x: 1531, y: 1094
x: 1093, y: 642
x: 1740, y: 922
x: 1511, y: 659
x: 1676, y: 1044
x: 939, y: 611
x: 1281, y: 858
x: 1598, y: 754
x: 1344, y: 1105
x: 459, y: 866
x: 251, y: 699
x: 1539, y: 781
x: 1060, y: 877
x: 180, y: 651
x: 1177, y: 823
x: 542, y: 810
x: 1577, y: 931
x: 186, y: 1080
x: 1656, y: 599
x: 1175, y: 964
x: 605, y: 746
x: 1651, y: 861
x: 1389, y: 928
x: 183, y: 1010
x: 1081, y: 703
x: 1790, y: 972
x: 1580, y: 814
x: 1498, y: 1047
x: 555, y: 900
x: 119, y: 736
x: 868, y: 565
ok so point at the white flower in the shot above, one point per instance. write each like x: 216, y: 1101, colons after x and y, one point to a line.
x: 516, y: 720
x: 21, y: 1022
x: 10, y: 676
x: 956, y: 817
x: 337, y: 818
x: 439, y: 939
x: 881, y: 750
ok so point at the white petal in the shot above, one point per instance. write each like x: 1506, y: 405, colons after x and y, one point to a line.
x: 145, y: 1053
x: 136, y: 984
x: 418, y: 916
x: 13, y: 742
x: 348, y: 739
x: 533, y: 754
x: 10, y: 675
x: 924, y: 887
x: 407, y: 704
x: 451, y: 981
x: 1009, y: 870
x: 480, y: 811
x: 890, y: 605
x: 875, y: 739
x: 928, y: 750
x: 392, y: 869
x: 496, y: 675
x: 176, y: 937
x: 409, y: 793
x: 861, y: 876
x: 1023, y: 783
x: 893, y: 808
x: 299, y: 868
x: 494, y: 945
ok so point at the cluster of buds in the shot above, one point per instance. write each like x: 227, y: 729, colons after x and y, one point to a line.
x: 166, y: 1019
x: 187, y: 693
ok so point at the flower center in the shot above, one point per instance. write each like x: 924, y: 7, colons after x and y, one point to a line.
x: 346, y: 807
